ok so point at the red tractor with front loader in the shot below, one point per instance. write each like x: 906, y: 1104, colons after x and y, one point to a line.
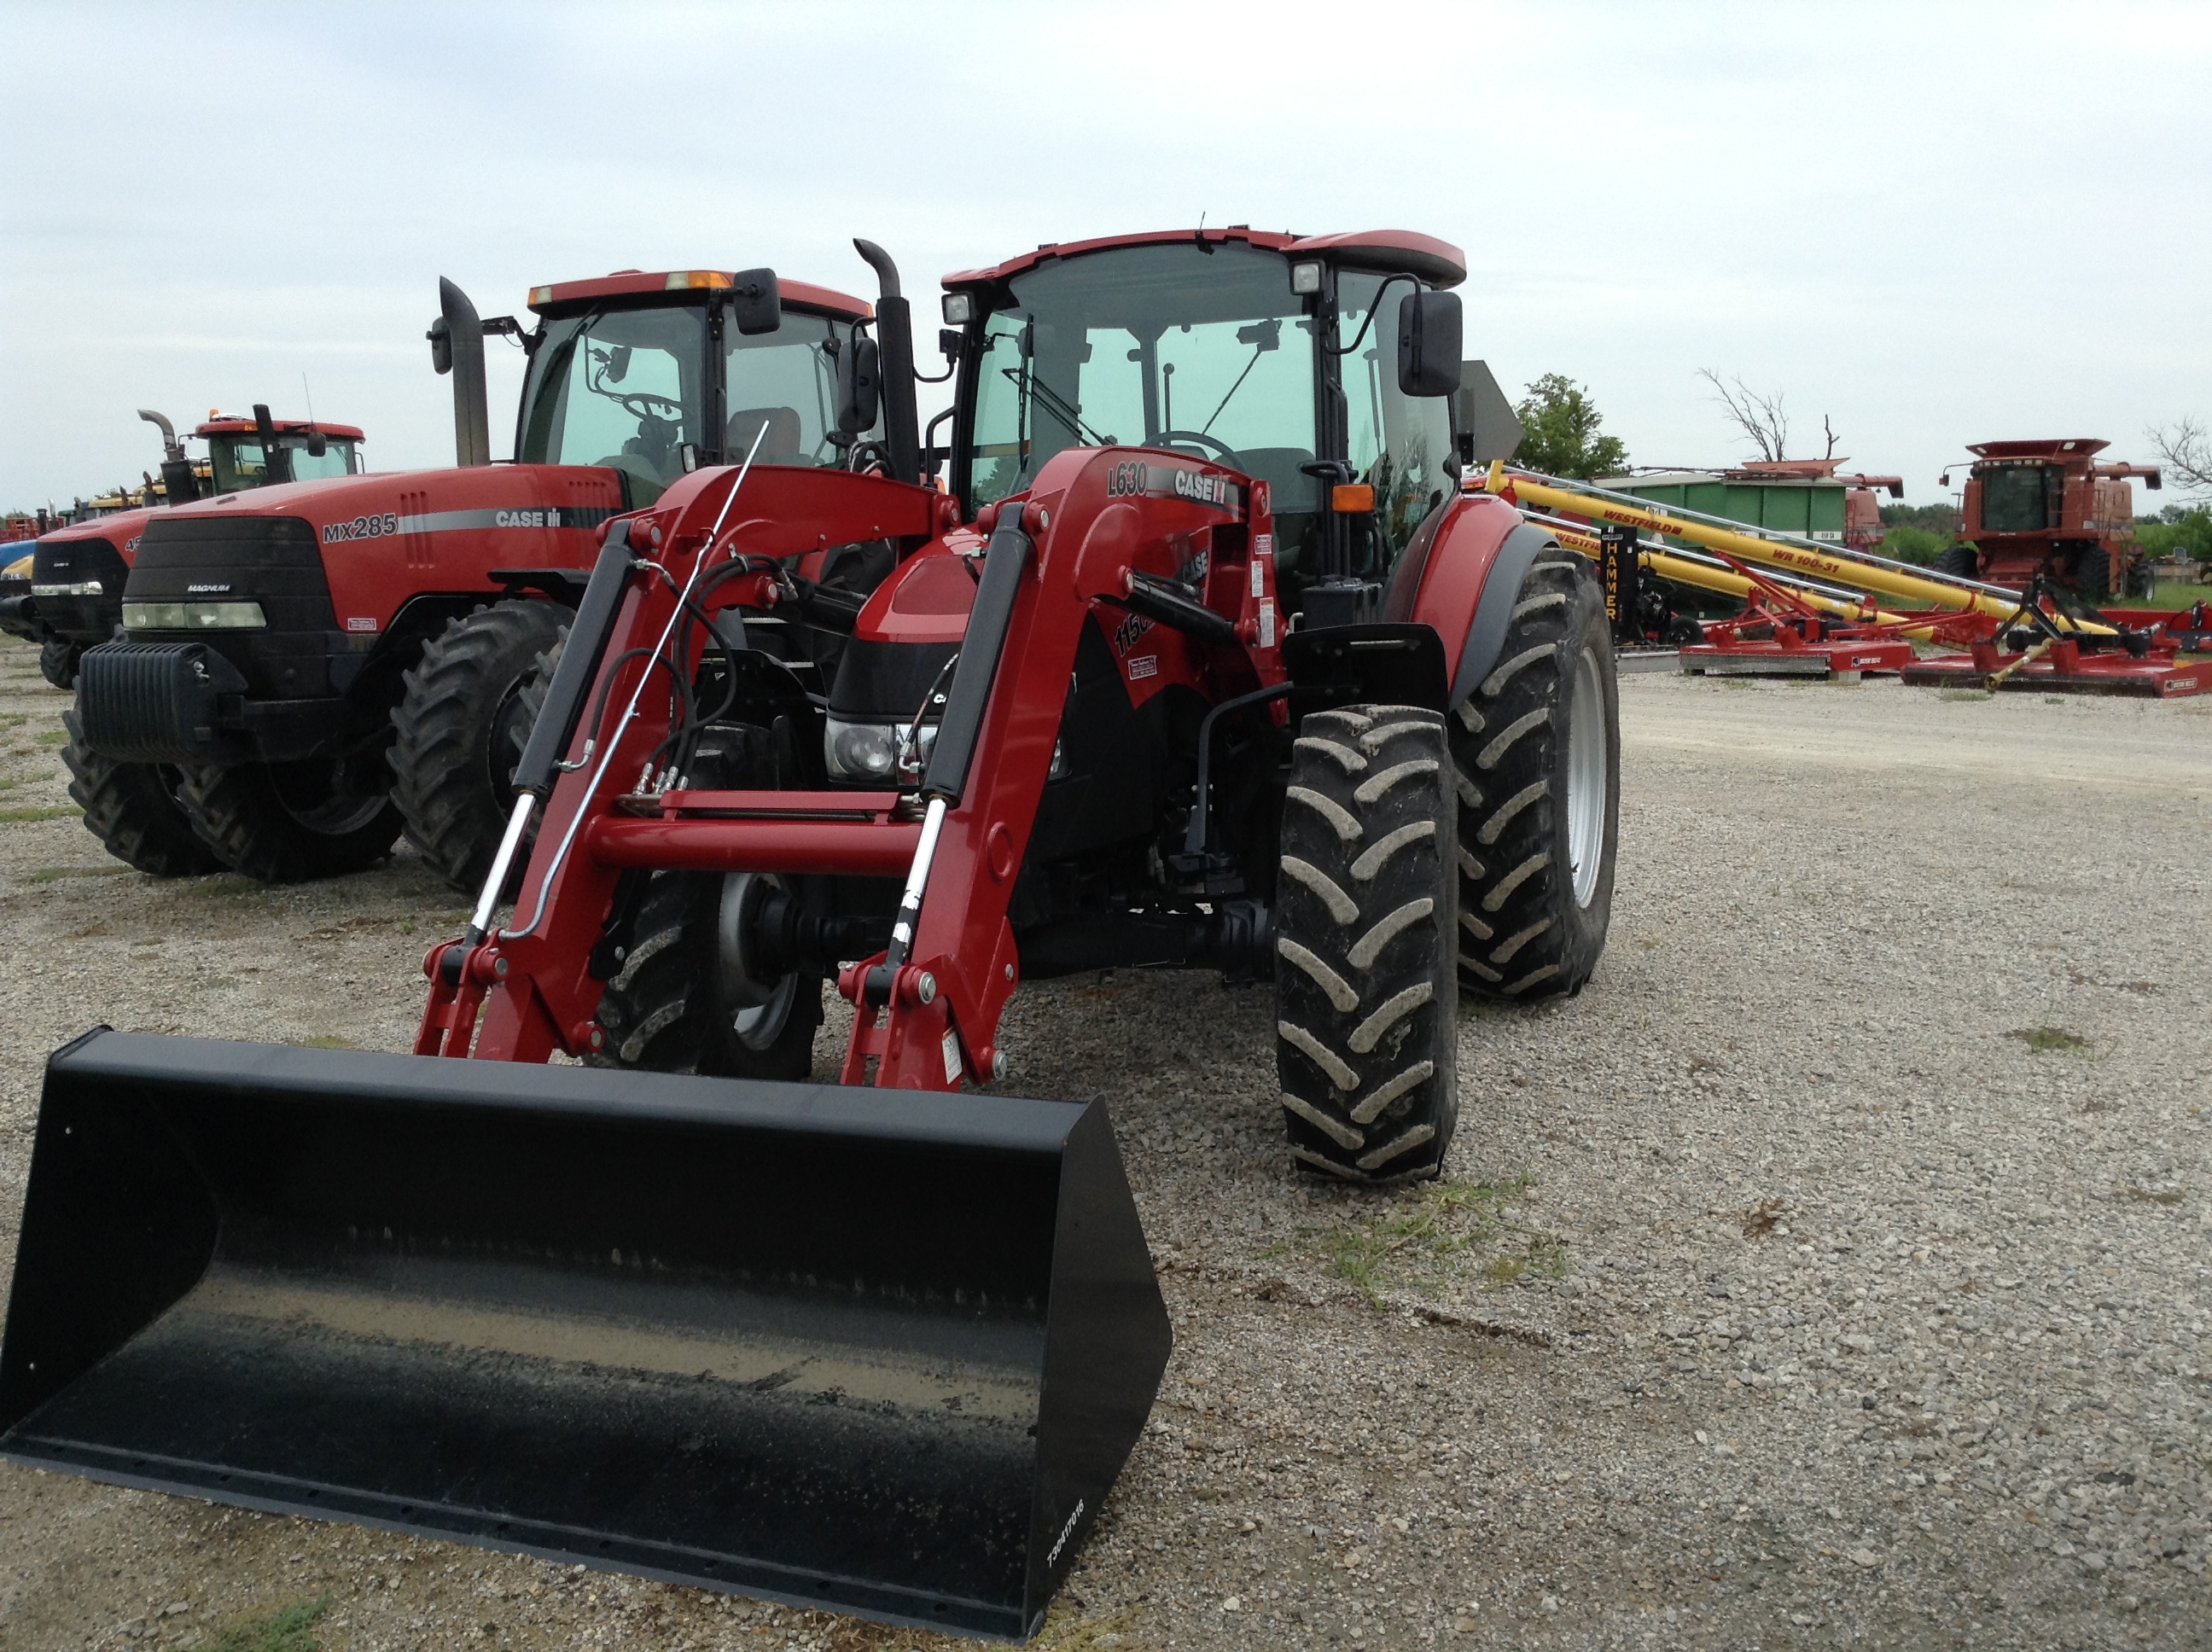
x: 2050, y: 510
x: 309, y: 668
x: 1203, y: 661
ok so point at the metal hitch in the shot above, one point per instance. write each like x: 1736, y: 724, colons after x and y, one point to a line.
x: 880, y: 1351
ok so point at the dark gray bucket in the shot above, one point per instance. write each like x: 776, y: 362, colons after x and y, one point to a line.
x: 880, y: 1351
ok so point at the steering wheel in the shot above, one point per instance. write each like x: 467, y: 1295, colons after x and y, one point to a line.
x: 640, y: 404
x: 1230, y: 456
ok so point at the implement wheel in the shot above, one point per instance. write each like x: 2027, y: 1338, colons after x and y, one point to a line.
x: 57, y: 661
x: 132, y: 809
x: 462, y: 725
x: 286, y: 822
x: 1538, y: 750
x: 677, y: 1006
x: 1366, y: 1041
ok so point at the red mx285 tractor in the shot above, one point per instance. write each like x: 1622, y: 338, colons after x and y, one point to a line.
x: 308, y: 668
x: 1205, y: 661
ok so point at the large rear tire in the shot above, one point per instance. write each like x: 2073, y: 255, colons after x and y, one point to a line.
x: 669, y: 1009
x: 57, y: 661
x: 132, y: 809
x: 286, y: 823
x: 2093, y: 581
x: 1366, y: 1034
x: 1537, y: 748
x: 462, y: 725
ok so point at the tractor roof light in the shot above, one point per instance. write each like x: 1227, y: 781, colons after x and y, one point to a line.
x: 959, y: 308
x: 679, y: 280
x: 1305, y: 277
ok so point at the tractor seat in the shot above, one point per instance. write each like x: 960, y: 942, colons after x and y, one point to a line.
x: 783, y: 444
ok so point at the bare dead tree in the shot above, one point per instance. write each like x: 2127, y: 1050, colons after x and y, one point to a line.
x: 1831, y: 430
x: 2185, y: 452
x: 1761, y: 418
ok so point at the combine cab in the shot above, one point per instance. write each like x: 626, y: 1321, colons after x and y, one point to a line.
x: 2049, y: 510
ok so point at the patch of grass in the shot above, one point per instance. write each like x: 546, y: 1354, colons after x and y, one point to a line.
x: 287, y: 1631
x: 58, y: 811
x: 1064, y: 1633
x: 54, y: 737
x: 1964, y: 694
x: 54, y: 874
x: 2042, y: 1040
x: 1421, y: 1240
x: 2163, y: 1196
x: 13, y: 720
x: 327, y: 1042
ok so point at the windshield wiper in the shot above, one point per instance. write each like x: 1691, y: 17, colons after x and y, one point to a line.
x: 1262, y: 337
x: 1055, y: 404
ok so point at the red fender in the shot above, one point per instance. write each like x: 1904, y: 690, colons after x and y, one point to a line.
x: 1445, y: 574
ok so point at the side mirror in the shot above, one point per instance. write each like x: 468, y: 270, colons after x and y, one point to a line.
x: 441, y: 347
x: 859, y: 386
x: 1428, y: 344
x: 318, y: 444
x: 756, y: 302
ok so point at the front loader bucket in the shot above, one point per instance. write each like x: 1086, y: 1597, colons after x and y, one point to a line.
x: 882, y: 1351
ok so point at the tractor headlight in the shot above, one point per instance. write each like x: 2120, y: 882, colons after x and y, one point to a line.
x: 876, y: 751
x: 193, y: 617
x: 81, y: 588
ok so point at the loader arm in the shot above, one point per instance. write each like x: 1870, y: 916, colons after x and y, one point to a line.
x: 1098, y: 514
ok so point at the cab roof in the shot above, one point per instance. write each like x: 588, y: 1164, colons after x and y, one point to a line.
x: 230, y: 424
x: 2053, y: 448
x: 1438, y: 263
x: 800, y: 294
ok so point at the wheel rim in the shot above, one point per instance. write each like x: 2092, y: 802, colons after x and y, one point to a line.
x: 758, y: 1028
x: 1586, y: 778
x: 314, y: 795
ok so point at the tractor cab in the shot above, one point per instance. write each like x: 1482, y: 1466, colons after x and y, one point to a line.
x: 239, y: 456
x: 1275, y: 355
x: 654, y: 376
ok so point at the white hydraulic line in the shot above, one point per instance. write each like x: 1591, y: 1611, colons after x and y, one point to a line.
x: 629, y: 711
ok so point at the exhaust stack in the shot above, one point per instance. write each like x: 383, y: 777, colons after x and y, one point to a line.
x: 895, y: 337
x: 177, y: 477
x: 457, y: 347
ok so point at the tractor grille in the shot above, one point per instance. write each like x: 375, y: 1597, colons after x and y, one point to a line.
x: 273, y: 560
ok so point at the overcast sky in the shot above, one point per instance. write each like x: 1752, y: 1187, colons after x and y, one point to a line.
x: 1934, y: 223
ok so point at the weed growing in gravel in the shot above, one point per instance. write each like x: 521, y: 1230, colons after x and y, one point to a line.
x: 1421, y: 1240
x: 1085, y: 1634
x: 1760, y: 1220
x: 54, y: 737
x: 287, y: 1631
x: 13, y: 720
x: 1963, y: 695
x: 54, y: 874
x: 60, y: 812
x: 328, y: 1042
x: 2042, y: 1040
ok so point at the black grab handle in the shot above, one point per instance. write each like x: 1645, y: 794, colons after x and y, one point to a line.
x: 1005, y: 561
x: 580, y: 665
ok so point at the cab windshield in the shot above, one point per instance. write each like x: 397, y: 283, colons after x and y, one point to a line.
x: 1168, y: 346
x: 629, y: 389
x: 2021, y: 498
x: 1207, y: 350
x: 238, y: 462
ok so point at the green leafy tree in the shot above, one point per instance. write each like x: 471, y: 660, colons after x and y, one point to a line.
x: 1560, y: 434
x: 2185, y: 533
x: 1906, y: 543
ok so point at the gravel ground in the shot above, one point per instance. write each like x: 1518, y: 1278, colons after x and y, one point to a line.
x: 1784, y: 1291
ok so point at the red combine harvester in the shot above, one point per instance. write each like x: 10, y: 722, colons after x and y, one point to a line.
x: 311, y: 666
x: 1205, y: 661
x: 2048, y: 510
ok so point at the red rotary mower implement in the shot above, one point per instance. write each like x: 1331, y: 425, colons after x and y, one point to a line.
x: 881, y: 1345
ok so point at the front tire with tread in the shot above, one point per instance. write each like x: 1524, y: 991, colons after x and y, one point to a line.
x: 1366, y: 1031
x: 57, y: 661
x: 132, y: 809
x: 244, y: 815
